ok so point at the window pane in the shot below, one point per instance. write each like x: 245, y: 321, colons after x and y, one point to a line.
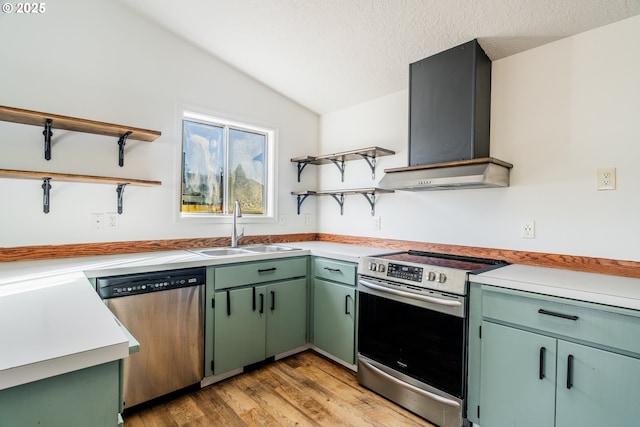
x: 202, y: 168
x: 247, y: 171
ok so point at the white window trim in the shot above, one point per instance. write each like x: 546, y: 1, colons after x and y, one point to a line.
x: 271, y: 155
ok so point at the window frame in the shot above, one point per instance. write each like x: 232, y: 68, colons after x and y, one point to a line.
x: 270, y: 165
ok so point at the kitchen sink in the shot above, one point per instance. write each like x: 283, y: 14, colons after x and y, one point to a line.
x: 269, y: 248
x: 244, y: 250
x: 220, y: 252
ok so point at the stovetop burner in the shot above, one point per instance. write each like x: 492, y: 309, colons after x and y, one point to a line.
x: 442, y: 260
x: 427, y: 270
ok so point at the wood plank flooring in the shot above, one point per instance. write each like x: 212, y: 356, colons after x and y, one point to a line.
x: 302, y: 390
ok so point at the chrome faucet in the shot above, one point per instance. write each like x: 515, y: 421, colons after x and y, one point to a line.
x: 237, y: 213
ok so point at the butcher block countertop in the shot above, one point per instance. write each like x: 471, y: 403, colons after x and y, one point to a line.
x: 53, y: 321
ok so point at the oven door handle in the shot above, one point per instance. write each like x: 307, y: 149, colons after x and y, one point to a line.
x: 439, y: 301
x: 411, y: 387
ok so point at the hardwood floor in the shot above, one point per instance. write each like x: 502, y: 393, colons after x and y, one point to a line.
x: 302, y: 390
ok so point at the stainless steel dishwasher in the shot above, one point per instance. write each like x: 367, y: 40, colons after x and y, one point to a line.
x: 163, y: 310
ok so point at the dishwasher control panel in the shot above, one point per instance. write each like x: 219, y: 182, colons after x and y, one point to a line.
x: 134, y: 284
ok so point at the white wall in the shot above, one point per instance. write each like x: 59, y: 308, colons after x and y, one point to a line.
x: 103, y: 62
x: 559, y: 112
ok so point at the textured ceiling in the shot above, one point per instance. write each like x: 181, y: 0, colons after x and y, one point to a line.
x: 332, y: 54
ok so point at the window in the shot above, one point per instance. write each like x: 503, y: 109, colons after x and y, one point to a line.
x: 223, y: 161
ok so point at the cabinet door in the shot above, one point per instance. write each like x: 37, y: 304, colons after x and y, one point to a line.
x: 602, y: 389
x: 512, y: 391
x: 334, y: 319
x: 239, y: 328
x: 287, y: 316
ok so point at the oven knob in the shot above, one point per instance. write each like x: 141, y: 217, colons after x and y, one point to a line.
x: 432, y: 276
x: 373, y: 266
x: 381, y: 268
x: 442, y: 278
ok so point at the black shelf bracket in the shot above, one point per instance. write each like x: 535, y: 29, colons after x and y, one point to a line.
x: 120, y: 191
x: 371, y: 198
x: 301, y: 166
x: 301, y: 198
x: 340, y: 199
x: 371, y: 161
x: 47, y: 139
x: 121, y: 142
x: 340, y: 165
x: 46, y: 187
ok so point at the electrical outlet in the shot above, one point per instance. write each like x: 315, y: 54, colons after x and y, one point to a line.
x: 97, y: 221
x: 376, y: 223
x: 307, y: 219
x: 606, y: 178
x: 111, y: 220
x: 528, y: 229
x: 282, y: 220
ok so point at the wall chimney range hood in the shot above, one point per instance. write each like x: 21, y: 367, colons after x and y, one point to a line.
x: 449, y: 116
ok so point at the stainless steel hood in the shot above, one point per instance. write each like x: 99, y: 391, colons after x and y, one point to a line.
x: 476, y: 173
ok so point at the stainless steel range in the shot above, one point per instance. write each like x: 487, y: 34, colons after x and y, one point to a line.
x: 412, y: 330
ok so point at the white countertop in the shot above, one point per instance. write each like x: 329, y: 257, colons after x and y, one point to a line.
x: 54, y: 322
x: 598, y: 288
x: 53, y: 326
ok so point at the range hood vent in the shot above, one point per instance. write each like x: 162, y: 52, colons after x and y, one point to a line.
x: 449, y: 109
x: 477, y: 173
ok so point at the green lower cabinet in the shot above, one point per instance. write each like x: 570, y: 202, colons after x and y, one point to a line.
x: 334, y: 319
x: 512, y: 392
x: 604, y: 387
x: 257, y: 322
x: 88, y: 397
x: 534, y: 380
x: 286, y: 316
x: 239, y: 329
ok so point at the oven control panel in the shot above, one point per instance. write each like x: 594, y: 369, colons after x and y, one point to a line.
x: 425, y: 276
x: 405, y: 272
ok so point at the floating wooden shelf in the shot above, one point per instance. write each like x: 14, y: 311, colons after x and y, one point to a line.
x: 27, y: 117
x: 55, y: 121
x: 338, y: 196
x: 7, y: 173
x: 47, y: 177
x: 369, y: 154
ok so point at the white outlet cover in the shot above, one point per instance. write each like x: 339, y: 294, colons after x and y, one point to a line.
x: 528, y: 229
x: 606, y: 178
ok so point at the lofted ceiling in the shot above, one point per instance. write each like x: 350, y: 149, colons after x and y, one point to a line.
x: 331, y: 54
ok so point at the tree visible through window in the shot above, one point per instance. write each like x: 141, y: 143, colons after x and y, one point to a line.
x: 221, y: 163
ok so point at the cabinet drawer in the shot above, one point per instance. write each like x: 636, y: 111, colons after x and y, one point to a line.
x: 259, y: 272
x: 337, y: 271
x: 576, y: 320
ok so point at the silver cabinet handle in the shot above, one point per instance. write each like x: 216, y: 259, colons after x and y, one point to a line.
x: 411, y: 387
x: 439, y: 301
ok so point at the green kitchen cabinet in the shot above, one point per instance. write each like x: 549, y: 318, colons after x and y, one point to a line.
x: 512, y: 391
x: 259, y: 310
x: 239, y: 329
x: 87, y: 397
x: 538, y: 360
x: 334, y: 308
x: 286, y: 316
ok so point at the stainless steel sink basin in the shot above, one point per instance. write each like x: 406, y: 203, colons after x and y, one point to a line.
x: 269, y: 248
x: 244, y: 250
x: 220, y: 252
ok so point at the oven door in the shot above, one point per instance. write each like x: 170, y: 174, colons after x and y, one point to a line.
x: 416, y: 332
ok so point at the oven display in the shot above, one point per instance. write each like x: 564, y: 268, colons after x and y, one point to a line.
x: 405, y: 272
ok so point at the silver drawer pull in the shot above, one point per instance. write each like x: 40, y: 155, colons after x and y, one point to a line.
x: 556, y: 314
